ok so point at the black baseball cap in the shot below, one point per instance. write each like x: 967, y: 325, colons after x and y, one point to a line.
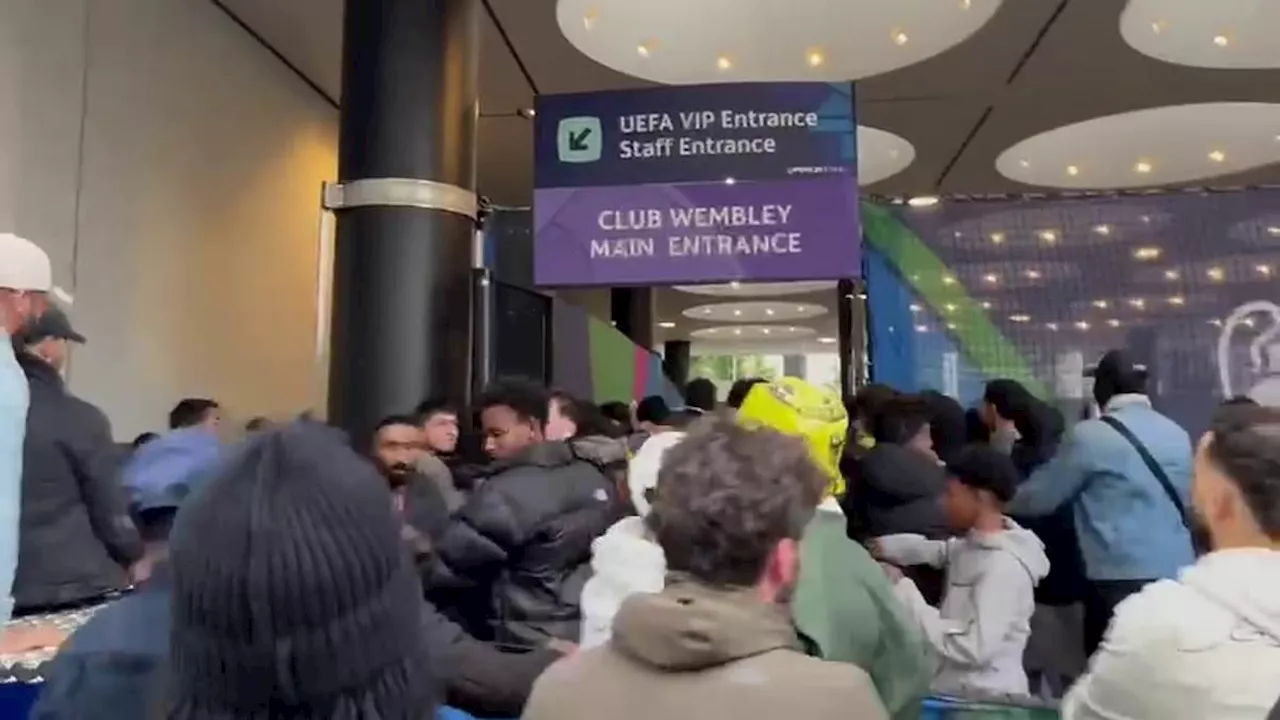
x: 1117, y: 364
x: 982, y: 467
x: 55, y: 324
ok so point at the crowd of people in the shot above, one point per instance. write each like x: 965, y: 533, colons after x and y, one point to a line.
x: 533, y: 554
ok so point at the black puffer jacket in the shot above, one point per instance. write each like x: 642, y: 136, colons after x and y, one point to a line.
x: 525, y: 534
x: 75, y: 537
x: 894, y: 489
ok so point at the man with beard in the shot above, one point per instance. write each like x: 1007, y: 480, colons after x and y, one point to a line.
x: 1206, y: 645
x: 25, y: 278
x: 479, y: 677
x: 398, y: 447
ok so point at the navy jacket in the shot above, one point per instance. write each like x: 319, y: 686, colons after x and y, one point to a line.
x: 110, y: 667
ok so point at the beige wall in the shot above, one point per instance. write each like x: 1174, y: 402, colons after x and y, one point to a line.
x: 172, y: 168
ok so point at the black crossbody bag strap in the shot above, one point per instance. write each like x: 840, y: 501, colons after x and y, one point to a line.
x: 1152, y: 465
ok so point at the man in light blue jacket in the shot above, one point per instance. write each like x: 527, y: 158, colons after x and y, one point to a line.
x: 1131, y: 522
x: 25, y: 278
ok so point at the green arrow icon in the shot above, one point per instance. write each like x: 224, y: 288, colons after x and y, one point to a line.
x: 578, y: 140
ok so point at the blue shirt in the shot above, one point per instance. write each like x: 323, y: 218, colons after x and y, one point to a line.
x: 1128, y: 527
x: 14, y: 399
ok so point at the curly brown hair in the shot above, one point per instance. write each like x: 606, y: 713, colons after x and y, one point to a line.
x: 727, y: 495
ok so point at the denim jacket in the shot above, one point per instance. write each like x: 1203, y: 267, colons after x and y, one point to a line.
x: 1128, y: 527
x: 14, y: 398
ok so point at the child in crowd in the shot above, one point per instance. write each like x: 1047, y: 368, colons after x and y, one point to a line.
x: 992, y: 569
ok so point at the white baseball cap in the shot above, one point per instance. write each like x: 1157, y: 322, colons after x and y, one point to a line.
x: 23, y: 265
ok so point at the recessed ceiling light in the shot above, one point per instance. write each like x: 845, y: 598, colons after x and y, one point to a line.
x: 666, y: 324
x: 1157, y: 27
x: 1082, y: 325
x: 826, y: 340
x: 735, y: 285
x: 765, y: 331
x: 1221, y: 40
x: 991, y: 278
x: 997, y: 238
x: 1177, y: 300
x: 1113, y: 322
x: 1027, y: 163
x: 643, y: 50
x: 737, y: 313
x: 1102, y: 229
x: 724, y: 63
x: 1020, y: 318
x: 1052, y: 326
x: 1073, y: 170
x: 1273, y: 231
x: 922, y: 201
x: 899, y: 37
x: 1216, y: 274
x: 948, y: 280
x: 1138, y: 303
x: 730, y: 181
x: 986, y: 304
x: 1033, y: 274
x: 915, y: 308
x: 737, y: 331
x: 815, y: 58
x: 1263, y: 270
x: 791, y: 329
x: 1142, y: 167
x: 1172, y: 275
x: 1146, y: 253
x: 922, y: 328
x: 1218, y: 156
x: 1049, y: 236
x: 1102, y: 304
x: 768, y: 311
x: 801, y: 308
x: 706, y: 311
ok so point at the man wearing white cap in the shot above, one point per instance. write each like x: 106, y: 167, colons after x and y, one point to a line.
x: 25, y: 279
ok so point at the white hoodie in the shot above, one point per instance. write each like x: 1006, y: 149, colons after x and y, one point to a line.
x: 626, y: 560
x: 981, y: 630
x: 1203, y: 647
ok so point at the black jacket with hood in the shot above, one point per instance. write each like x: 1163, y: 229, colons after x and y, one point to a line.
x: 894, y: 489
x: 75, y: 537
x: 525, y: 535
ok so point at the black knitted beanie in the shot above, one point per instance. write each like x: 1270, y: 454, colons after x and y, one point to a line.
x: 292, y: 595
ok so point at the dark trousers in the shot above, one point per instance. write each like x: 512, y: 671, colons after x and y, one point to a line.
x: 1100, y: 600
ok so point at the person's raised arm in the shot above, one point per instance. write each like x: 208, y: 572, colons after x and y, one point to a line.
x: 908, y: 549
x: 971, y: 641
x: 1059, y: 480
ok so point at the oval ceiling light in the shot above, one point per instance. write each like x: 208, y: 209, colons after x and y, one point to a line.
x: 767, y: 40
x: 755, y: 311
x: 881, y: 155
x: 1155, y: 146
x: 754, y: 290
x: 1225, y: 34
x: 739, y: 333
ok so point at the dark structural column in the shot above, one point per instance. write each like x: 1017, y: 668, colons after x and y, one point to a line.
x: 632, y: 312
x: 676, y: 359
x: 402, y: 325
